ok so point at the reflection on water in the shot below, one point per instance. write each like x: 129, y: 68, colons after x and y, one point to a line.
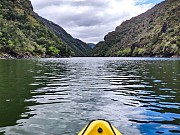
x: 60, y: 96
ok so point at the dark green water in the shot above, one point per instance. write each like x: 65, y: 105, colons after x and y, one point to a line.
x: 60, y: 96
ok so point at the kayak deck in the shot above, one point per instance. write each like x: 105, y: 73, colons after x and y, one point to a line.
x: 99, y: 127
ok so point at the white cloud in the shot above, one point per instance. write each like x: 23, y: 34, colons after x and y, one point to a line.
x: 89, y: 20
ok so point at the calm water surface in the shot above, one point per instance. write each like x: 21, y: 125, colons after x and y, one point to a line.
x: 60, y: 96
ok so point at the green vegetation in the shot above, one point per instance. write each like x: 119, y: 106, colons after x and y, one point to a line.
x: 154, y: 33
x: 125, y: 52
x: 77, y: 47
x: 23, y: 35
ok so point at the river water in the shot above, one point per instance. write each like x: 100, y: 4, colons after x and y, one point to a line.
x: 60, y: 96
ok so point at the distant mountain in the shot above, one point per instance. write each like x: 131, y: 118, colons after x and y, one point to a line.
x: 92, y: 45
x: 153, y: 33
x: 77, y: 46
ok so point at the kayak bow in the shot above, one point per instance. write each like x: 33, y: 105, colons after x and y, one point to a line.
x: 99, y: 127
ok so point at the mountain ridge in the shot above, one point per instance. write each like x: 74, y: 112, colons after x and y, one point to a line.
x: 153, y: 33
x: 79, y: 47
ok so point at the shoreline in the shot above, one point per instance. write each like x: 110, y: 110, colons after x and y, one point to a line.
x: 9, y: 57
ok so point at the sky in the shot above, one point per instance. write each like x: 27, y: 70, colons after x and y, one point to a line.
x: 90, y: 20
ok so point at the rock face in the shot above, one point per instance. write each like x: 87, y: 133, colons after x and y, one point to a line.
x: 79, y: 47
x: 153, y: 33
x: 23, y: 34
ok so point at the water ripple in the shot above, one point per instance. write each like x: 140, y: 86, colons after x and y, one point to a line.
x: 138, y: 95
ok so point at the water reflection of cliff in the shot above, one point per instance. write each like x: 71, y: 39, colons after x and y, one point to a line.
x: 18, y: 78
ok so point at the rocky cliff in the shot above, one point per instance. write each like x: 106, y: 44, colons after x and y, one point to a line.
x: 153, y: 33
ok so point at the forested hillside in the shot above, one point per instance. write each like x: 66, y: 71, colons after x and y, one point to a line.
x: 79, y: 47
x: 154, y: 33
x: 23, y: 35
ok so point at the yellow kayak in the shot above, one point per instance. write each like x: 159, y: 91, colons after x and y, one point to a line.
x: 99, y: 127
